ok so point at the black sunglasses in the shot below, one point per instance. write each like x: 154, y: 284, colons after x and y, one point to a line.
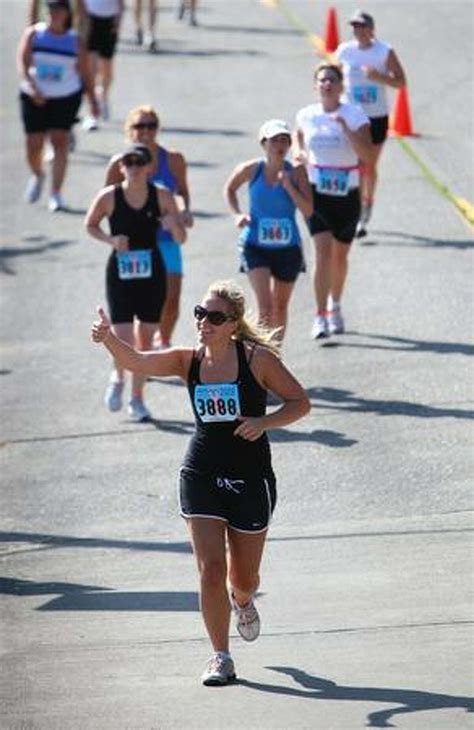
x: 214, y: 316
x: 145, y: 125
x: 134, y: 162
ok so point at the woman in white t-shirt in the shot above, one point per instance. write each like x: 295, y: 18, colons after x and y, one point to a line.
x: 330, y: 138
x: 369, y: 66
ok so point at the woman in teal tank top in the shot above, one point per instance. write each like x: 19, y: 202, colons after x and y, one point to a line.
x: 270, y: 242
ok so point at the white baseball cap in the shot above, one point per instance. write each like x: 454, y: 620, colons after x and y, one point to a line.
x: 272, y: 128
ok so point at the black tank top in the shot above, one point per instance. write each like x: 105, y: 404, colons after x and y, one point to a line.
x: 213, y: 447
x: 140, y: 225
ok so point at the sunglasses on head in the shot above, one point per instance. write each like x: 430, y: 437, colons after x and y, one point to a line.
x: 145, y: 125
x: 213, y: 316
x: 134, y: 162
x: 330, y: 79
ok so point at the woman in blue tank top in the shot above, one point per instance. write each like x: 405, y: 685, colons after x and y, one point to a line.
x: 169, y: 171
x: 270, y: 242
x: 226, y: 487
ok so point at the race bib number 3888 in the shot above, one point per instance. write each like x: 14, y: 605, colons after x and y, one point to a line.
x: 217, y: 402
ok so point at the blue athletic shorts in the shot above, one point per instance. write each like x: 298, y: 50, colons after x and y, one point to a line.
x: 172, y: 258
x: 285, y: 263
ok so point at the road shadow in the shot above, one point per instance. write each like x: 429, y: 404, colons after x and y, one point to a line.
x: 19, y: 587
x: 125, y: 601
x: 207, y: 214
x: 333, y: 439
x: 44, y: 541
x: 218, y: 132
x: 77, y: 597
x: 336, y: 399
x: 252, y: 30
x: 406, y: 344
x: 201, y: 164
x: 90, y: 157
x: 414, y: 241
x: 182, y: 428
x: 8, y: 253
x: 406, y: 701
x: 169, y: 50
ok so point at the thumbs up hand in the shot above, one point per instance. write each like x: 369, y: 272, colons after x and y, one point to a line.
x: 100, y: 327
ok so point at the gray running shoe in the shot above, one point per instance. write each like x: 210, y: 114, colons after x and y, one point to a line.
x: 113, y: 395
x: 34, y: 188
x: 247, y: 620
x: 219, y: 671
x: 137, y: 410
x: 320, y: 327
x: 336, y: 322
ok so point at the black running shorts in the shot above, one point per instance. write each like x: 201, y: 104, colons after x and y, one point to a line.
x: 338, y: 214
x: 57, y: 113
x: 245, y: 503
x: 102, y: 36
x: 378, y: 129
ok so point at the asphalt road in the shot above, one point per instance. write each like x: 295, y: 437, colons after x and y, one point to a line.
x: 366, y: 594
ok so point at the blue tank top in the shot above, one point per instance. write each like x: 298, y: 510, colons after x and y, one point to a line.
x: 54, y: 62
x: 272, y: 214
x: 164, y: 177
x: 216, y: 407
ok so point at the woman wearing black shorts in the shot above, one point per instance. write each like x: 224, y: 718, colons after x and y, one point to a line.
x: 226, y: 485
x: 369, y: 66
x: 135, y: 276
x: 330, y: 138
x: 103, y: 25
x: 53, y: 66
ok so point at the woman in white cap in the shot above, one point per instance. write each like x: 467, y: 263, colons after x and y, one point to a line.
x: 270, y: 242
x: 331, y: 137
x: 369, y: 66
x: 135, y: 275
x: 54, y: 73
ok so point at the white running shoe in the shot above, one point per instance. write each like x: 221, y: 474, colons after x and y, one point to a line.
x: 361, y: 230
x: 90, y: 124
x: 336, y: 322
x: 137, y: 410
x: 34, y: 188
x: 113, y: 395
x: 219, y: 671
x: 247, y: 620
x: 55, y: 202
x: 320, y: 327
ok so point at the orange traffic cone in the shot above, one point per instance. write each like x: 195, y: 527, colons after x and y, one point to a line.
x: 331, y: 36
x: 399, y: 124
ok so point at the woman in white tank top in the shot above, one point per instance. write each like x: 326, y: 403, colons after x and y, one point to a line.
x: 53, y: 69
x: 369, y: 66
